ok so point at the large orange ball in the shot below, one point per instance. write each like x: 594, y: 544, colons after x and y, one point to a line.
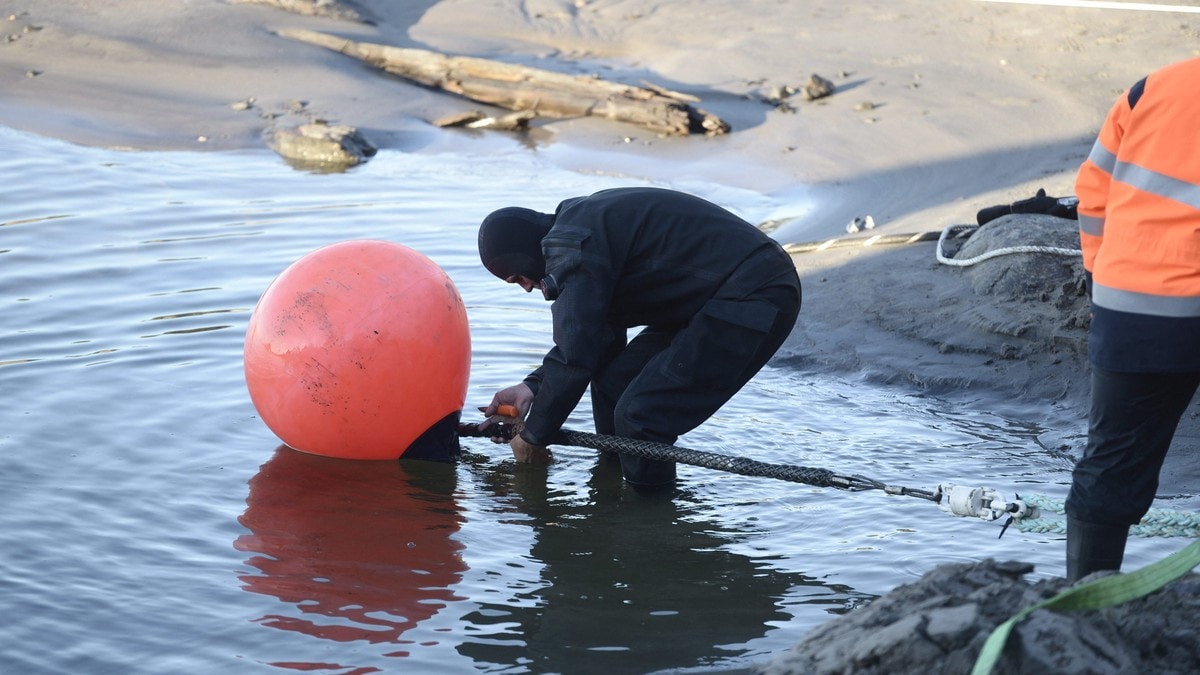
x: 357, y: 349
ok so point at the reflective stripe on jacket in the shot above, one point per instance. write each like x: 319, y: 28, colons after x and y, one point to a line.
x: 1139, y: 198
x: 1139, y: 219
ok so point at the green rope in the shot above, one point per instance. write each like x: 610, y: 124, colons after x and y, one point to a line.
x: 1156, y: 522
x: 1103, y: 592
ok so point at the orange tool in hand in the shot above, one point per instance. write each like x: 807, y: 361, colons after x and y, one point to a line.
x: 504, y: 410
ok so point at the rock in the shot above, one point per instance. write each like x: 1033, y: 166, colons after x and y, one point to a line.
x: 1054, y: 643
x: 319, y: 146
x: 860, y: 223
x: 939, y: 624
x: 817, y: 87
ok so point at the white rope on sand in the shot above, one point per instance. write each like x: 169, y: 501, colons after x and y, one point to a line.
x: 965, y: 262
x: 953, y: 231
x: 1101, y: 4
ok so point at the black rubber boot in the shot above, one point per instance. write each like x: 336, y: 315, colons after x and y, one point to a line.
x: 1092, y: 547
x: 647, y: 473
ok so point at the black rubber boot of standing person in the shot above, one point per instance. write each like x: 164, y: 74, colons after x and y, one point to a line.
x: 1092, y: 547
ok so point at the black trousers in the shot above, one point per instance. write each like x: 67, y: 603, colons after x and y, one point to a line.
x: 1132, y: 420
x: 669, y: 380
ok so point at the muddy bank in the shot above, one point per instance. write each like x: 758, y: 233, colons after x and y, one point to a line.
x: 939, y: 625
x: 1014, y: 325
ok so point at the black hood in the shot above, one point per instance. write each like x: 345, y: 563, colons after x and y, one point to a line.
x: 510, y: 242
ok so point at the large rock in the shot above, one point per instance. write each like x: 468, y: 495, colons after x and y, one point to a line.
x: 939, y: 625
x: 321, y: 147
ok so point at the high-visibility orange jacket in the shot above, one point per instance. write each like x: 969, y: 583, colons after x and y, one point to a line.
x: 1139, y: 218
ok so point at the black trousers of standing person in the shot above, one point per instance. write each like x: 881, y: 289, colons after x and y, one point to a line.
x: 1132, y: 420
x: 669, y: 380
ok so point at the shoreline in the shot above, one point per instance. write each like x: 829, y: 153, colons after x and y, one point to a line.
x: 939, y: 108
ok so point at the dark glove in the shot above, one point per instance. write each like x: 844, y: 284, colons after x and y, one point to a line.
x: 1062, y: 207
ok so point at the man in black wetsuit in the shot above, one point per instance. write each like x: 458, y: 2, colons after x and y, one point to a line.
x: 716, y: 297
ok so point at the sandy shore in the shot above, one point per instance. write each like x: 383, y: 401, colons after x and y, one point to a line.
x: 941, y: 107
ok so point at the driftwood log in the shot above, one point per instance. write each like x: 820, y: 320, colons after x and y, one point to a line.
x: 328, y: 8
x: 543, y: 92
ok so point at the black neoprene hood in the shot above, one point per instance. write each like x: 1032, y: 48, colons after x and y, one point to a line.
x: 510, y: 242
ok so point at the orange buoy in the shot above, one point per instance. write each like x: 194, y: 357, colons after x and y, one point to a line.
x: 357, y: 349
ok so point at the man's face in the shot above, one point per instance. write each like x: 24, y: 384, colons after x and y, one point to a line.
x: 524, y: 282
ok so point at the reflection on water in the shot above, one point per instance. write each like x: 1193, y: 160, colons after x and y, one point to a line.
x: 625, y: 581
x: 628, y: 583
x: 357, y: 550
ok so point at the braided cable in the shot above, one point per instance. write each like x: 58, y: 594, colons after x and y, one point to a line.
x: 701, y: 458
x: 1156, y: 523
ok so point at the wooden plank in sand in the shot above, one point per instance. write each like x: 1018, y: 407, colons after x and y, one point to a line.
x: 543, y: 92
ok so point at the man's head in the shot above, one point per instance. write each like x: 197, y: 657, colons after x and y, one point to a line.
x: 510, y: 242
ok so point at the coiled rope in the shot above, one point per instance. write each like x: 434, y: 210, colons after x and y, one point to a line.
x: 1008, y: 250
x: 951, y: 232
x: 1156, y: 522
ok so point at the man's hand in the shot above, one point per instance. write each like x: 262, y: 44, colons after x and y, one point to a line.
x: 519, y: 396
x: 527, y: 453
x: 516, y: 398
x: 506, y: 412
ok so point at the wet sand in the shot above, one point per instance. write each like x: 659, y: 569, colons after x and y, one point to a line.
x: 941, y: 106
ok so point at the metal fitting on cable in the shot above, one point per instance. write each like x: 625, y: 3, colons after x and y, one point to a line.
x: 982, y: 503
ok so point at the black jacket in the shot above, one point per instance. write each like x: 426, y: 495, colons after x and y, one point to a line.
x: 630, y: 257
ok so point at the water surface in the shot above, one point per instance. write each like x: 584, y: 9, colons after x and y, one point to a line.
x: 150, y: 522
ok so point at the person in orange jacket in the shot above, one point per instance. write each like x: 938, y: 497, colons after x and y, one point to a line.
x: 1139, y: 219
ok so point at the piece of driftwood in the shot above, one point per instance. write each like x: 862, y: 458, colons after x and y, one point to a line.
x: 475, y: 119
x: 334, y: 9
x: 520, y: 88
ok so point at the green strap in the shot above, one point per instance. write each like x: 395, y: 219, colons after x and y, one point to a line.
x: 1103, y: 592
